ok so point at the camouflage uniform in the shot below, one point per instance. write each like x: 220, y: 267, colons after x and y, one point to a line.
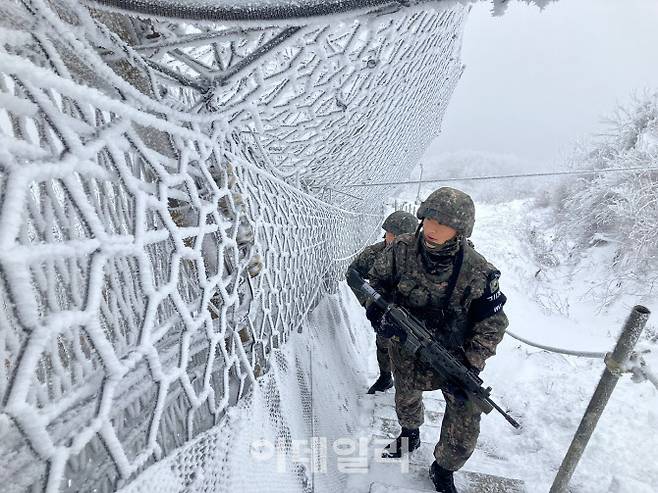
x: 470, y: 324
x: 398, y: 223
x: 362, y: 264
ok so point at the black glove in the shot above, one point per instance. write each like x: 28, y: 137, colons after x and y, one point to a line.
x: 375, y: 326
x: 374, y: 313
x: 458, y: 393
x: 461, y: 356
x: 388, y: 328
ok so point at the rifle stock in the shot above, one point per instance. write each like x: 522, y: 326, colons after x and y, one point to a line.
x: 419, y: 341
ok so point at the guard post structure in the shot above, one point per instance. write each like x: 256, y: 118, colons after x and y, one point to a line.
x: 629, y: 336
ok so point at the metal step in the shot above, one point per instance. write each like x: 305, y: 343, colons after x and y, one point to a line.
x: 387, y: 488
x: 482, y: 460
x: 432, y: 415
x: 465, y: 481
x: 488, y: 464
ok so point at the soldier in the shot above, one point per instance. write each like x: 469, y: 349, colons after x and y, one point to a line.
x: 397, y: 223
x: 439, y: 277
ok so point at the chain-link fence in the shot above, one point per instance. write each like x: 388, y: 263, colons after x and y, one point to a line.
x: 167, y: 212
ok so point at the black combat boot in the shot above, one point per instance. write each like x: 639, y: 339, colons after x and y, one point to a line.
x: 442, y: 479
x: 394, y: 450
x: 384, y: 382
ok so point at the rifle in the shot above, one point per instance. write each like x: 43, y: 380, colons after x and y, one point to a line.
x: 419, y: 341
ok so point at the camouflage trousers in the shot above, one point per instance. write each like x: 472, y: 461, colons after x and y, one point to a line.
x: 383, y: 360
x: 460, y: 427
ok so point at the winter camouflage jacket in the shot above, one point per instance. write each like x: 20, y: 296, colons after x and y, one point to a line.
x: 364, y: 262
x: 472, y: 322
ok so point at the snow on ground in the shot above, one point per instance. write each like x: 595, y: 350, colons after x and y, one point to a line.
x: 549, y: 391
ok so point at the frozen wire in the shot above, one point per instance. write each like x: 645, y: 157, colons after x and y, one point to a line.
x: 552, y: 349
x: 504, y: 177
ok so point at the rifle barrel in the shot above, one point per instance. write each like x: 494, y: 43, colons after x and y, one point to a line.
x: 507, y: 417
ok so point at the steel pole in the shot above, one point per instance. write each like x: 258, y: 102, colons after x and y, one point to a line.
x: 629, y: 336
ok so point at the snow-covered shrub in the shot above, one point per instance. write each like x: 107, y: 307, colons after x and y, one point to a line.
x: 617, y: 209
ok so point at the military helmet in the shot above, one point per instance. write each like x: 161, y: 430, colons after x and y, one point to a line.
x: 450, y: 207
x: 400, y: 222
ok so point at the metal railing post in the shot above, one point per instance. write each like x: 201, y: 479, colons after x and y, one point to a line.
x: 629, y: 336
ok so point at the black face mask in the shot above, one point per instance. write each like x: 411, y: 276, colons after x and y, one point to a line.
x: 440, y: 257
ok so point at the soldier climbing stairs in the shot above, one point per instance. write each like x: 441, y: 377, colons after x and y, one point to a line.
x: 485, y: 472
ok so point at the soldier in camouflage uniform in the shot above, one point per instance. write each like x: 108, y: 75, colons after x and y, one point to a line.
x: 397, y: 223
x: 439, y: 277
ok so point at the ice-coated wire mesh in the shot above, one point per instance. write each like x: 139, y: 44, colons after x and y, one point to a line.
x: 168, y: 213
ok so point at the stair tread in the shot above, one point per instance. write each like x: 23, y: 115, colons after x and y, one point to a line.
x: 466, y: 481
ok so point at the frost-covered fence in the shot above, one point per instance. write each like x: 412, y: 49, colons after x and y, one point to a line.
x: 167, y: 216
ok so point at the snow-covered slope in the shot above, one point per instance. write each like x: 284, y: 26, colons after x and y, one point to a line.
x: 551, y: 391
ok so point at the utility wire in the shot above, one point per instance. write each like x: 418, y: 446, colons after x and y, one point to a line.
x: 502, y: 177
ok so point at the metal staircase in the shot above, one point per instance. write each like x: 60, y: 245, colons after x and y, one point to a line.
x: 494, y: 473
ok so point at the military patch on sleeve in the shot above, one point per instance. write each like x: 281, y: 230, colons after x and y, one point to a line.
x: 493, y: 281
x: 491, y: 302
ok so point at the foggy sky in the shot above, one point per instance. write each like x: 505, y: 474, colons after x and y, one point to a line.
x: 535, y: 81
